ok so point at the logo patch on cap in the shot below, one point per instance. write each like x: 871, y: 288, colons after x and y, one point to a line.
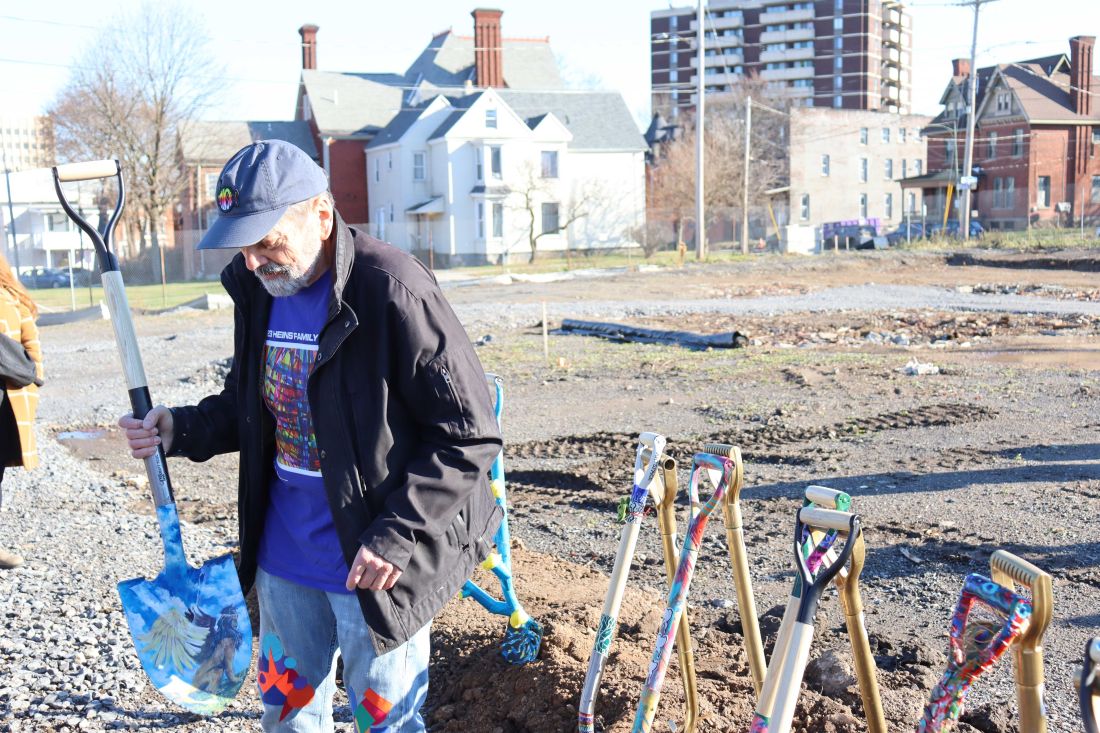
x: 227, y: 198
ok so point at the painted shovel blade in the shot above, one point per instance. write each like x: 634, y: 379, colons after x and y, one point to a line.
x: 192, y: 632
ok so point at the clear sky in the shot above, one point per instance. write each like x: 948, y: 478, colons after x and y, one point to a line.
x: 257, y: 54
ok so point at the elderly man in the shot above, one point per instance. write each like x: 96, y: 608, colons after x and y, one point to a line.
x: 365, y: 430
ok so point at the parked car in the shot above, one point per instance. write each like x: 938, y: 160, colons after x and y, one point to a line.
x: 902, y: 234
x: 954, y: 229
x: 45, y: 277
x: 82, y: 276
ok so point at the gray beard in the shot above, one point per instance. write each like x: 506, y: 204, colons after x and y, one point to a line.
x: 286, y: 283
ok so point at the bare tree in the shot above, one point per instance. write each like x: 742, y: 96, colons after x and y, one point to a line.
x: 130, y: 94
x: 535, y: 190
x: 672, y: 175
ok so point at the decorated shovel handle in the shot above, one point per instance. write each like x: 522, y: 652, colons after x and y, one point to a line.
x: 115, y: 292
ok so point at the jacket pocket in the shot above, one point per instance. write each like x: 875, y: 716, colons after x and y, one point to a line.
x: 442, y: 380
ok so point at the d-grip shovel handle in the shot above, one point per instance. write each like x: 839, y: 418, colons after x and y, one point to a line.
x: 1089, y: 687
x: 125, y: 337
x: 813, y: 587
x: 1008, y: 569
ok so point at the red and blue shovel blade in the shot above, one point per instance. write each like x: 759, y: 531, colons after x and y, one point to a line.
x: 191, y: 632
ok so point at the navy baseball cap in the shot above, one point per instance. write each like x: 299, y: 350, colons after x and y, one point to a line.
x: 256, y: 187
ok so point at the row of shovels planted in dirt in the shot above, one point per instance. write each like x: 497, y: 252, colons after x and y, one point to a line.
x: 1011, y: 608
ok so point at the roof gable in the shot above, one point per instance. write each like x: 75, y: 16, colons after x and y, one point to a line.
x: 348, y: 104
x: 448, y: 63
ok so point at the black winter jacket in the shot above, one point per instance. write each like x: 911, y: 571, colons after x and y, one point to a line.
x: 404, y: 423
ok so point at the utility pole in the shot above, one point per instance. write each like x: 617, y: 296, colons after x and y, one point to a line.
x: 700, y: 91
x: 971, y: 114
x: 11, y: 211
x: 745, y: 191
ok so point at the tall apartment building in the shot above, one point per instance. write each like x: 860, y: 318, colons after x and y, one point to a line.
x: 844, y: 54
x: 26, y: 142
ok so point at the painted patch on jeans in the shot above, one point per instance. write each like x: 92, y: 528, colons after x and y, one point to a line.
x: 279, y: 681
x: 371, y: 711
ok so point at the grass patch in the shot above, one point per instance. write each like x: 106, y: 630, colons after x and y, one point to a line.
x: 556, y: 262
x: 1033, y: 240
x: 140, y: 296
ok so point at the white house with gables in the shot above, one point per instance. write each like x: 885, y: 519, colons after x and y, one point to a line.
x: 473, y: 178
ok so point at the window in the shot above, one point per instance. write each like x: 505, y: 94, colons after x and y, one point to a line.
x: 212, y: 185
x: 804, y: 207
x: 838, y: 24
x: 838, y: 82
x: 901, y: 135
x: 494, y: 161
x: 863, y: 136
x: 838, y: 101
x: 824, y: 165
x: 992, y: 145
x: 391, y: 211
x: 1042, y: 198
x: 377, y: 170
x: 917, y: 164
x: 479, y: 164
x: 886, y: 134
x: 838, y: 63
x: 58, y: 222
x: 863, y: 206
x: 1004, y: 102
x: 998, y: 193
x: 418, y: 165
x: 549, y: 218
x: 838, y: 43
x: 1094, y: 195
x: 1018, y: 143
x: 1096, y: 136
x: 888, y: 169
x: 491, y: 118
x: 549, y: 163
x: 888, y: 206
x: 912, y: 203
x: 1010, y: 193
x: 863, y: 170
x: 480, y: 220
x: 389, y: 160
x: 498, y: 220
x: 904, y: 168
x: 950, y: 146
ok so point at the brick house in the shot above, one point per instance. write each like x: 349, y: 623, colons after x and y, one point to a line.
x: 345, y: 111
x: 1036, y: 142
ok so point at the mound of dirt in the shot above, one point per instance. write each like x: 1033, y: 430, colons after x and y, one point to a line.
x: 473, y: 689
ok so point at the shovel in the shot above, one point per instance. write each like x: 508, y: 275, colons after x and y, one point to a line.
x: 190, y: 625
x: 1009, y: 571
x: 1088, y: 687
x: 523, y: 636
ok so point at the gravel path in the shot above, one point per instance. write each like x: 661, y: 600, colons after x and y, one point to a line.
x: 868, y: 297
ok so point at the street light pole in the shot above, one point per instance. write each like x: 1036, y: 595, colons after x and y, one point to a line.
x: 700, y: 90
x: 745, y: 192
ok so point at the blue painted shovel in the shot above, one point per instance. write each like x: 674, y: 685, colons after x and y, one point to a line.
x: 190, y: 625
x: 523, y: 636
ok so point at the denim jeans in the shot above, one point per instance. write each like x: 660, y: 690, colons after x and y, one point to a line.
x: 301, y: 629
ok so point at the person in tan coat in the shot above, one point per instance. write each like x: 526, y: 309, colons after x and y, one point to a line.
x: 18, y: 404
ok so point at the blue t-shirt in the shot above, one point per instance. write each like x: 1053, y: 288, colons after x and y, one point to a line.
x: 299, y: 541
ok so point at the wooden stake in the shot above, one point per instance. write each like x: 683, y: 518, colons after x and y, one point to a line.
x: 545, y: 336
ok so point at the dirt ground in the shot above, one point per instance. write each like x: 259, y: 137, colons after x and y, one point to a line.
x: 996, y: 450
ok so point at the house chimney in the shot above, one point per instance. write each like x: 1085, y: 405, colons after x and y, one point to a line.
x: 1080, y: 73
x: 308, y: 33
x: 488, y: 50
x: 960, y: 67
